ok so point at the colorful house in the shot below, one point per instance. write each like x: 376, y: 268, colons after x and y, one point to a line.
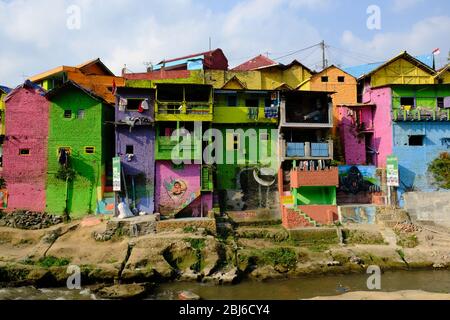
x: 214, y: 59
x: 183, y: 183
x: 80, y: 150
x: 409, y: 104
x: 306, y: 181
x: 25, y: 147
x: 135, y: 145
x: 92, y: 75
x: 344, y: 87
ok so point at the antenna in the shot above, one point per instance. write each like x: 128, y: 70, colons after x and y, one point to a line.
x: 324, y: 59
x: 210, y: 47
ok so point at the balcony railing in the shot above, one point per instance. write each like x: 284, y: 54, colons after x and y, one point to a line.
x: 421, y: 115
x: 307, y: 150
x: 182, y: 110
x: 297, y: 119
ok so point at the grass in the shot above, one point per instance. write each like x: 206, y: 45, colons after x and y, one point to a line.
x: 407, y: 240
x: 285, y: 257
x: 50, y: 261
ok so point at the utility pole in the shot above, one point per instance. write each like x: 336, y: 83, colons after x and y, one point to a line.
x: 324, y: 59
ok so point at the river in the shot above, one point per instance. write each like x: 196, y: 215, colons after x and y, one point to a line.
x: 292, y: 289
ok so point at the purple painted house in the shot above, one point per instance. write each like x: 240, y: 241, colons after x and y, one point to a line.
x: 135, y: 144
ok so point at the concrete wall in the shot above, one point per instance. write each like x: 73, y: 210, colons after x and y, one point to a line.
x: 429, y: 206
x: 382, y: 122
x: 414, y: 160
x: 26, y: 128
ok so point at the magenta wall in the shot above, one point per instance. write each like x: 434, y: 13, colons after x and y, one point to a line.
x: 354, y: 148
x: 26, y: 128
x: 166, y: 202
x: 382, y: 122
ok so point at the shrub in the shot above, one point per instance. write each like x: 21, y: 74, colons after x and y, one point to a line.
x: 440, y: 168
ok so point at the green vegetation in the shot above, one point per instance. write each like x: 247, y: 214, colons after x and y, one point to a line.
x: 284, y: 257
x: 440, y: 168
x: 406, y: 240
x: 189, y: 229
x: 362, y: 237
x: 47, y: 262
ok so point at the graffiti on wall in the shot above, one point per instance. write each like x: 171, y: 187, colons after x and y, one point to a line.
x: 180, y: 197
x: 3, y: 199
x: 358, y: 184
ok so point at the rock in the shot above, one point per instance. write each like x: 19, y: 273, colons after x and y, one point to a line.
x: 188, y: 296
x: 189, y: 275
x: 124, y: 291
x: 439, y: 266
x: 333, y: 263
x: 356, y: 260
x: 230, y: 277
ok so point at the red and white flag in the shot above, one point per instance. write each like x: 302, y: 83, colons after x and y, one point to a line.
x: 114, y: 88
x: 436, y: 51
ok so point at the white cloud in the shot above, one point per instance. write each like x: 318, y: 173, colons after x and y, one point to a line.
x: 401, y: 5
x: 422, y: 38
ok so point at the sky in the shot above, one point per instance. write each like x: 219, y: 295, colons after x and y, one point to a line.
x: 36, y: 36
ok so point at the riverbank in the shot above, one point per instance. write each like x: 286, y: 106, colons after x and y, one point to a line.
x: 40, y: 257
x: 399, y: 295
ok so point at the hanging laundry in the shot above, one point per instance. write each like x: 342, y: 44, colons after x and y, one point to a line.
x: 122, y: 104
x: 145, y: 104
x: 140, y: 109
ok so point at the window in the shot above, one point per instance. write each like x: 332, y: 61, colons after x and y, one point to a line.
x: 129, y: 149
x: 68, y: 114
x: 416, y: 140
x: 440, y: 102
x: 252, y: 103
x: 341, y: 79
x: 133, y: 104
x: 89, y: 150
x: 80, y: 114
x: 407, y: 102
x: 24, y: 152
x: 232, y: 101
x: 324, y: 79
x: 67, y: 149
x: 267, y: 102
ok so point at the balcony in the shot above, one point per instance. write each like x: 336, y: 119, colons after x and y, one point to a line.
x: 165, y: 147
x: 307, y: 150
x: 183, y: 111
x: 421, y: 115
x: 245, y: 115
x: 327, y: 177
x: 306, y: 110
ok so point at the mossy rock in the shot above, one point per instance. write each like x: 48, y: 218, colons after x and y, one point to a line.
x: 355, y: 236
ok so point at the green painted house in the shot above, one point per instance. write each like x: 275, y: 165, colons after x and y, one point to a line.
x: 80, y: 149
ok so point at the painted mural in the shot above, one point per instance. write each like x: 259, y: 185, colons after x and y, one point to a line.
x: 357, y: 214
x: 358, y: 184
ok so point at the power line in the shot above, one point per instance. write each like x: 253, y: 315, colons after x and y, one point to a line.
x: 297, y: 51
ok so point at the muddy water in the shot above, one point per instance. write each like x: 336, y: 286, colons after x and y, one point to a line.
x: 304, y: 288
x: 292, y: 289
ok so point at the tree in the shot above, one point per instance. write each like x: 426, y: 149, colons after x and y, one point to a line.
x: 440, y: 168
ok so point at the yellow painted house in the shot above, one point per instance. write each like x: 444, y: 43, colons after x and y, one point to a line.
x: 403, y: 69
x: 443, y: 75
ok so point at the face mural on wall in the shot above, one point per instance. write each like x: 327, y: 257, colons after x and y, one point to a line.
x: 176, y: 189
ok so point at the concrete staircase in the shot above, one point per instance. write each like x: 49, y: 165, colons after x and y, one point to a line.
x: 310, y: 220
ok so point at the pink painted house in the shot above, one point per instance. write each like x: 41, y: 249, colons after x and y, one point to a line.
x: 366, y: 128
x: 25, y: 148
x: 178, y: 191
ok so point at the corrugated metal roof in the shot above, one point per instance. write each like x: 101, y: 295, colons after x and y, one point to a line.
x: 256, y: 63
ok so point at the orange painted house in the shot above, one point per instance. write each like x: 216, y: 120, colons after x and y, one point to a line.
x: 92, y: 75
